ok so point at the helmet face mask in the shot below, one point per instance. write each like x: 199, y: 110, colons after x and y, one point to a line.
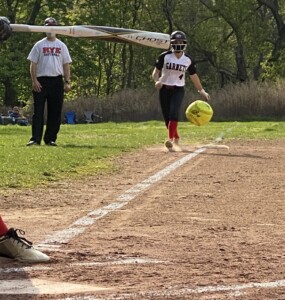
x: 178, y: 47
x: 178, y: 41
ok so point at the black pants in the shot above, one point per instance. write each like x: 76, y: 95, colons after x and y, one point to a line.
x: 52, y: 93
x: 170, y: 101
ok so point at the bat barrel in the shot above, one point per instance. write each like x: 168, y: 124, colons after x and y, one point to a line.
x: 113, y: 34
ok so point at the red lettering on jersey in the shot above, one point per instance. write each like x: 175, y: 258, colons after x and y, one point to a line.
x: 51, y: 50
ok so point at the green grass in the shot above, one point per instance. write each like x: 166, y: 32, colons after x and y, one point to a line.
x: 88, y: 149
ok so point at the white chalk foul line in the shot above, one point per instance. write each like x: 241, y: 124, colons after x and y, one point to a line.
x: 54, y: 242
x: 122, y: 261
x: 237, y: 289
x: 126, y: 261
x: 24, y: 269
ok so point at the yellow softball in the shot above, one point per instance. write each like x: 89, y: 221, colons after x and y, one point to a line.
x: 199, y: 112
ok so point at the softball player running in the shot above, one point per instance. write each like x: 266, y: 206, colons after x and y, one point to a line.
x: 169, y: 77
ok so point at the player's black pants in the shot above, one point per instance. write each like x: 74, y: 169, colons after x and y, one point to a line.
x: 170, y: 101
x: 52, y: 93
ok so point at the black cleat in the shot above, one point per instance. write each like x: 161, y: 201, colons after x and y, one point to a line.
x: 51, y: 144
x: 32, y: 143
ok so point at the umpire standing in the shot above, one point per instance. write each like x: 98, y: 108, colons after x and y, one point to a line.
x: 50, y: 73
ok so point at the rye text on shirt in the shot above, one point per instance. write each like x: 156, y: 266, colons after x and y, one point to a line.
x: 51, y: 51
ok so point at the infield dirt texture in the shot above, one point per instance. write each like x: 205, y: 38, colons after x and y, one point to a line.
x: 211, y: 229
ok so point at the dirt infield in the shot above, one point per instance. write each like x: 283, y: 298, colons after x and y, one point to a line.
x: 210, y: 227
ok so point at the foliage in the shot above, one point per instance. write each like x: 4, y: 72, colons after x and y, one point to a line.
x: 252, y: 100
x: 231, y: 42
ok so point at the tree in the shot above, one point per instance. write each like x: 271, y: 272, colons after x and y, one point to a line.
x: 275, y: 63
x: 230, y: 41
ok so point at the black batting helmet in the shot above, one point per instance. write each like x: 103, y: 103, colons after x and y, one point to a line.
x: 50, y: 22
x: 178, y: 41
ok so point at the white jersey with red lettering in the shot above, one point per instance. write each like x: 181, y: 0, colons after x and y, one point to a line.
x: 50, y: 56
x: 173, y: 69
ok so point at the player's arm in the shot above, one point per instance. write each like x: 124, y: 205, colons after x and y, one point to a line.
x: 66, y: 74
x: 35, y: 83
x: 197, y: 83
x: 155, y: 76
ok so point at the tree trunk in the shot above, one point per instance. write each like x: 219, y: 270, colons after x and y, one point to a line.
x: 168, y: 8
x: 279, y: 43
x: 130, y: 72
x: 35, y: 12
x: 240, y: 62
x: 10, y: 96
x: 124, y: 69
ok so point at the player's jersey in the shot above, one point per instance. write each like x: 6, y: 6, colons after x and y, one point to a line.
x: 173, y: 69
x: 50, y: 56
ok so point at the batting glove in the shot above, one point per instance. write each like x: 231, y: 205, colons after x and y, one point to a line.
x: 204, y: 94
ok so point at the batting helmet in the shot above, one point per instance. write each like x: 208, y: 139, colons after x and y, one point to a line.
x: 5, y: 29
x: 50, y: 22
x: 178, y: 41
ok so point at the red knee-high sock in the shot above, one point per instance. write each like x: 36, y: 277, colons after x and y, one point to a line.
x: 176, y: 135
x: 3, y: 227
x: 172, y: 129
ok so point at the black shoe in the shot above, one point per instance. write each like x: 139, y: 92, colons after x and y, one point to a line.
x: 51, y: 144
x: 32, y: 143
